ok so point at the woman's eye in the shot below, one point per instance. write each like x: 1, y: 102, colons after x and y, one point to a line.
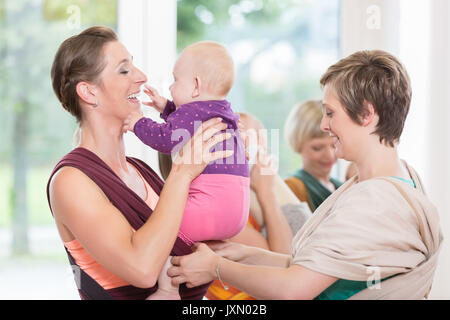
x: 124, y: 72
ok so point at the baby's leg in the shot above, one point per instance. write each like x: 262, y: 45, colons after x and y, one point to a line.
x: 166, y: 291
x: 217, y: 207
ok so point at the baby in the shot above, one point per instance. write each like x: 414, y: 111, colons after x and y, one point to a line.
x: 218, y: 203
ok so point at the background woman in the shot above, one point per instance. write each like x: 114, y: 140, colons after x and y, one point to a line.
x: 312, y: 183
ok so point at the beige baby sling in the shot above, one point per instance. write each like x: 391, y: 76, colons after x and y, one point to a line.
x: 403, y: 247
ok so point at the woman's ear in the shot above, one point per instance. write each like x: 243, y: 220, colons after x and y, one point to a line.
x: 369, y: 114
x: 86, y: 92
x: 197, y: 87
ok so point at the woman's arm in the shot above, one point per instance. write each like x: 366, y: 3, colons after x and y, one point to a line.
x: 249, y: 254
x: 263, y: 182
x: 262, y: 282
x: 279, y: 234
x: 137, y: 257
x: 255, y: 209
x: 80, y: 205
x: 251, y: 237
x: 295, y: 213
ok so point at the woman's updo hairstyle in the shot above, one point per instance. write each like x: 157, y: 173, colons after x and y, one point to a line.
x: 79, y: 58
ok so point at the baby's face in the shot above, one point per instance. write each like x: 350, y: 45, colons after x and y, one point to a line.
x: 183, y: 86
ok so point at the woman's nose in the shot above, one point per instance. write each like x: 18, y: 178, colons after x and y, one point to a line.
x: 324, y: 124
x: 141, y: 78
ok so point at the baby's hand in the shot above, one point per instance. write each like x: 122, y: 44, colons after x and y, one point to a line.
x: 157, y: 102
x: 130, y: 121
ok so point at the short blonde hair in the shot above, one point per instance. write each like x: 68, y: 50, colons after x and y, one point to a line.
x: 303, y: 124
x: 214, y: 64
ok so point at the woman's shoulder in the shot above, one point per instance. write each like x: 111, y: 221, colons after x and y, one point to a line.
x: 298, y: 187
x: 372, y: 189
x: 83, y: 180
x: 378, y: 196
x: 68, y: 173
x: 370, y: 209
x: 69, y: 177
x: 294, y: 180
x: 70, y: 184
x: 63, y: 191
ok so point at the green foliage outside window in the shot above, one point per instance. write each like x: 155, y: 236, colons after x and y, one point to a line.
x: 99, y: 12
x: 35, y: 128
x: 281, y: 48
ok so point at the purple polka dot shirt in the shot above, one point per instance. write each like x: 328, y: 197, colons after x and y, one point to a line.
x: 181, y: 123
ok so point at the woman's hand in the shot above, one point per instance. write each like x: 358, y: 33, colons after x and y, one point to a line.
x: 130, y: 121
x: 230, y: 250
x: 158, y: 102
x: 196, y: 268
x: 194, y: 156
x: 263, y: 173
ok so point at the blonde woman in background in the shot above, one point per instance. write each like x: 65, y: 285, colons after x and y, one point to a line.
x: 312, y: 183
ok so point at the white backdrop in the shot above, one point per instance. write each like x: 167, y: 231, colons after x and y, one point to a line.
x: 148, y: 29
x: 418, y: 32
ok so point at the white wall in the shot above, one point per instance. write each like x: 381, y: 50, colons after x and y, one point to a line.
x: 438, y: 142
x: 418, y: 32
x: 368, y: 25
x: 148, y: 29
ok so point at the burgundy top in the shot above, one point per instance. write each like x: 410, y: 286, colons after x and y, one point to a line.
x: 133, y: 208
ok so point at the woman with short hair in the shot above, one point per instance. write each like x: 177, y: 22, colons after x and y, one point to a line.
x: 377, y: 237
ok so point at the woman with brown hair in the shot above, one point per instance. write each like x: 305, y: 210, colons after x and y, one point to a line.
x: 117, y: 220
x: 377, y: 237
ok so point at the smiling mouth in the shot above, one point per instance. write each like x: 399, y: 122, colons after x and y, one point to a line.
x: 335, y: 139
x: 134, y: 98
x: 330, y: 164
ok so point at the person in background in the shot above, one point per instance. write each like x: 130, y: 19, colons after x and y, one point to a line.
x: 296, y: 212
x: 312, y: 183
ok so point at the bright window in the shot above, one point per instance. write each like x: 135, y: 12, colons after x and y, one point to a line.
x: 36, y: 130
x: 280, y: 48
